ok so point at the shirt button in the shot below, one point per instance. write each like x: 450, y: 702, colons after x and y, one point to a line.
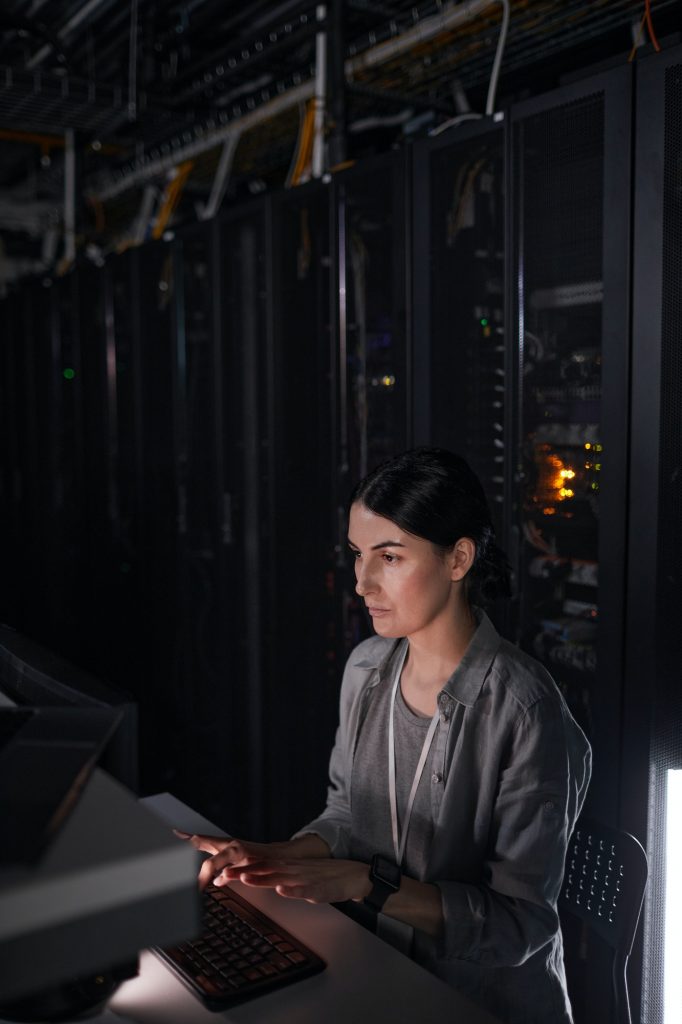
x: 444, y: 716
x: 436, y: 777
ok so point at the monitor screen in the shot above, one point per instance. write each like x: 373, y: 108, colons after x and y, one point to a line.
x: 32, y: 676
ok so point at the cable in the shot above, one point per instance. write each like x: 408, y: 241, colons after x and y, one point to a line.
x: 494, y: 76
x: 470, y: 116
x: 305, y: 146
x: 492, y: 88
x: 638, y: 39
x: 650, y: 26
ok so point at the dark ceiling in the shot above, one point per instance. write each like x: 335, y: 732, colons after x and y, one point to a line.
x: 148, y: 86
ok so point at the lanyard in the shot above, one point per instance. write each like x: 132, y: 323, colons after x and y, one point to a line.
x: 399, y: 842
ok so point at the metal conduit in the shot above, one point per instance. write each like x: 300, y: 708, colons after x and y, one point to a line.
x: 448, y: 18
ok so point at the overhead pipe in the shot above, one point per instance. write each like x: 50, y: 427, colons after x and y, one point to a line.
x: 222, y: 177
x: 320, y: 91
x: 299, y: 94
x: 72, y: 23
x: 448, y: 18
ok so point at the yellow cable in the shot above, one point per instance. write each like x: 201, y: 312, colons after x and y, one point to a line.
x: 171, y: 198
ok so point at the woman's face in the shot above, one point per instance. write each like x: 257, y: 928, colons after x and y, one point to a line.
x: 408, y: 586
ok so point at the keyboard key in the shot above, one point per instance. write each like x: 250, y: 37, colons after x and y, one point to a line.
x: 296, y: 957
x: 239, y: 954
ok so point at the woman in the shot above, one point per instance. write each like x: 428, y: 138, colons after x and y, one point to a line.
x: 457, y: 773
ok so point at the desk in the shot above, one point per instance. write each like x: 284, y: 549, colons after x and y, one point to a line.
x: 366, y: 981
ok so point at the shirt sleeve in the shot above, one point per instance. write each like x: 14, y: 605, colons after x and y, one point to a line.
x: 510, y: 913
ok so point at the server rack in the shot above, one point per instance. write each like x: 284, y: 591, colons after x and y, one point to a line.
x: 521, y: 362
x: 301, y: 664
x: 653, y: 702
x: 459, y: 365
x: 96, y: 602
x: 570, y: 189
x: 123, y: 638
x: 370, y: 231
x: 54, y: 393
x: 242, y: 283
x: 203, y: 701
x: 12, y: 483
x: 570, y: 196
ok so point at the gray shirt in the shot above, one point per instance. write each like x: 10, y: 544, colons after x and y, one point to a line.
x: 509, y: 769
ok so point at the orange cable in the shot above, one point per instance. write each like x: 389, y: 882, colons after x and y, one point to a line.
x: 650, y: 26
x: 305, y: 147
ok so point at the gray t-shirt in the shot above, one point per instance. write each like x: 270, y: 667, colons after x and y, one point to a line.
x: 370, y: 806
x: 371, y: 811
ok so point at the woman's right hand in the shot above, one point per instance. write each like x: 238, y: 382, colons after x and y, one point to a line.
x: 227, y: 852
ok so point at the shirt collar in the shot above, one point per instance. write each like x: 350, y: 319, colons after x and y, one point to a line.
x: 464, y: 685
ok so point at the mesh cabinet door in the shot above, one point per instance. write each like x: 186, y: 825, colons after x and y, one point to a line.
x: 459, y: 348
x: 570, y: 154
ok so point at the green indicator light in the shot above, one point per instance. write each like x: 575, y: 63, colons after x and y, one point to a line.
x: 68, y: 373
x: 125, y: 567
x: 484, y: 321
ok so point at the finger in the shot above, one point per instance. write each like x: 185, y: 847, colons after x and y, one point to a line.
x: 206, y: 874
x: 263, y: 880
x: 295, y: 892
x: 264, y: 874
x: 207, y: 844
x: 223, y: 866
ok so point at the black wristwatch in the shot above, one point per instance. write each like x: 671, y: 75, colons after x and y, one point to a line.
x: 385, y: 877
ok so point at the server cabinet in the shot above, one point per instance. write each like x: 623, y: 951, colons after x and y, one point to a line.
x: 123, y: 643
x: 159, y: 510
x: 201, y: 697
x: 94, y: 440
x: 372, y: 317
x: 242, y: 283
x: 303, y: 665
x: 570, y: 192
x: 55, y: 557
x: 653, y: 705
x: 459, y: 364
x: 13, y: 362
x: 570, y: 197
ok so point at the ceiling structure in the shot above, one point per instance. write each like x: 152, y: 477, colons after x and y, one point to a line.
x: 122, y: 118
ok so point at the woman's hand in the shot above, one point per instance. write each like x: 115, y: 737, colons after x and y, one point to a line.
x: 324, y: 880
x: 227, y: 852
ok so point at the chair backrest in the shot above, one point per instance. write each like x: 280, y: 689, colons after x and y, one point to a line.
x: 604, y: 882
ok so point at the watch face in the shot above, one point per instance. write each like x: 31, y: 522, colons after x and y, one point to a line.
x: 386, y: 871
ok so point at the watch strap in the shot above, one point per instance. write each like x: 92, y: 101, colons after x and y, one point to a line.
x: 381, y: 887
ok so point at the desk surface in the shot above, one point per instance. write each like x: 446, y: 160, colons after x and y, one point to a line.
x: 366, y: 980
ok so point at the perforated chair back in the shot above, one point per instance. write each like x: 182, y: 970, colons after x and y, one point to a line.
x: 604, y: 882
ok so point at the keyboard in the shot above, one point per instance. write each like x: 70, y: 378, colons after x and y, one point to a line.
x: 240, y: 954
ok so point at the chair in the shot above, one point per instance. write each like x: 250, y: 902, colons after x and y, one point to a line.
x: 604, y: 882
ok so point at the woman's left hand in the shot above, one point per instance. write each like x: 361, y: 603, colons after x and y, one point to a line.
x: 315, y: 880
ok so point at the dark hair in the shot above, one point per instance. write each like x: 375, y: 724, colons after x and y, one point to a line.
x: 434, y: 494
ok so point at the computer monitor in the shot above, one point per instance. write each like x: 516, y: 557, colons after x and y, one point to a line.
x: 103, y: 877
x: 31, y: 675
